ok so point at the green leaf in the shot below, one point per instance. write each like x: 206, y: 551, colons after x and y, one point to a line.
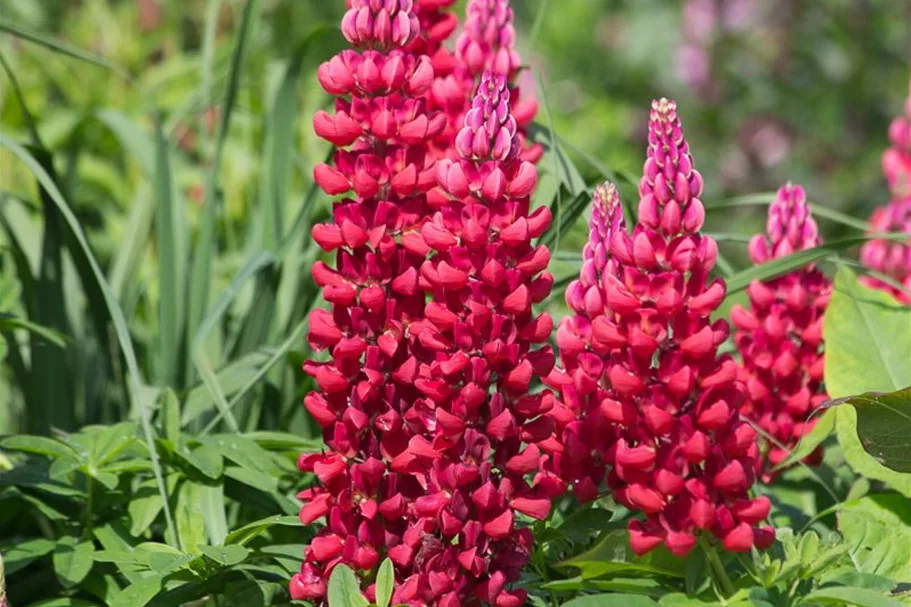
x: 145, y: 505
x: 861, y: 597
x: 191, y: 528
x: 72, y: 560
x: 254, y: 593
x: 201, y: 268
x: 612, y: 555
x: 252, y: 478
x: 868, y: 344
x: 249, y: 531
x: 243, y: 452
x: 795, y: 261
x: 877, y: 534
x: 611, y: 600
x: 212, y: 505
x: 40, y: 445
x: 846, y: 424
x: 9, y: 322
x: 228, y: 556
x: 64, y: 602
x: 169, y: 415
x: 24, y: 552
x: 139, y: 593
x: 206, y: 458
x: 282, y: 441
x: 385, y: 580
x: 59, y: 46
x: 343, y: 587
x: 808, y: 443
x: 884, y: 427
x: 116, y: 314
x: 231, y: 378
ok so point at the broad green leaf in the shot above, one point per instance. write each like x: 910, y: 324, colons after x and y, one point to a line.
x: 884, y: 427
x: 612, y: 554
x: 191, y: 528
x: 846, y: 424
x: 72, y: 560
x: 249, y: 531
x: 612, y: 600
x: 40, y: 445
x: 212, y: 505
x: 861, y: 597
x: 868, y: 340
x: 139, y: 593
x: 104, y: 586
x: 343, y: 588
x: 870, y: 581
x: 251, y: 478
x: 877, y: 534
x: 385, y: 581
x: 243, y: 452
x: 24, y: 552
x: 228, y: 556
x: 205, y: 458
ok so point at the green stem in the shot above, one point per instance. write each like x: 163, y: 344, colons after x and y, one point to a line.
x: 721, y: 576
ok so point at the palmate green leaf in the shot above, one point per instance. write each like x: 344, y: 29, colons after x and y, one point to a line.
x: 613, y: 555
x: 877, y: 534
x: 72, y: 560
x: 860, y: 597
x: 612, y: 600
x: 139, y: 593
x: 283, y: 441
x: 205, y: 458
x: 40, y: 445
x: 846, y: 424
x: 116, y: 314
x: 228, y: 556
x: 883, y: 425
x: 868, y: 341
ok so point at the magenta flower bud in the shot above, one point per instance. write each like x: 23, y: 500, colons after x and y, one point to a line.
x: 488, y: 38
x: 381, y: 26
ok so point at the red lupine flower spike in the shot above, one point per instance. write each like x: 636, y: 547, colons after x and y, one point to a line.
x: 681, y: 455
x: 890, y: 257
x: 780, y: 335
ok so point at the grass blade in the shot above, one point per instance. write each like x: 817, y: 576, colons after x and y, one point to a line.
x: 58, y: 46
x: 795, y: 261
x: 765, y: 198
x: 565, y: 219
x: 168, y: 275
x: 29, y: 120
x: 201, y: 269
x: 113, y: 309
x: 257, y: 262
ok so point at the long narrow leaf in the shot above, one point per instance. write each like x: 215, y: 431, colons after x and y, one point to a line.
x: 120, y: 326
x: 200, y: 273
x: 794, y: 261
x: 59, y: 46
x: 258, y: 261
x: 764, y: 198
x: 29, y: 120
x: 168, y: 314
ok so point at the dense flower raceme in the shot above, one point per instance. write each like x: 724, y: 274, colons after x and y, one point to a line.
x: 365, y: 401
x: 780, y: 335
x: 581, y: 380
x: 890, y: 257
x: 682, y: 455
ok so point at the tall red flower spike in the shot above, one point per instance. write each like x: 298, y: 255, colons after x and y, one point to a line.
x: 780, y: 335
x: 586, y: 434
x: 683, y: 457
x: 382, y: 127
x: 890, y: 257
x: 484, y: 345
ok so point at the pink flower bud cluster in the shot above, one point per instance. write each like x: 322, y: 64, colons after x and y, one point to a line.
x: 486, y: 42
x: 478, y: 350
x: 682, y: 456
x: 586, y: 434
x: 780, y: 335
x: 891, y: 257
x: 366, y: 402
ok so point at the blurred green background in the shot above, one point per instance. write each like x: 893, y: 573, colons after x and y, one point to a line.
x: 769, y: 91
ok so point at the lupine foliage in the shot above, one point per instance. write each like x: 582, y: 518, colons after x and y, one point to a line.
x: 457, y: 448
